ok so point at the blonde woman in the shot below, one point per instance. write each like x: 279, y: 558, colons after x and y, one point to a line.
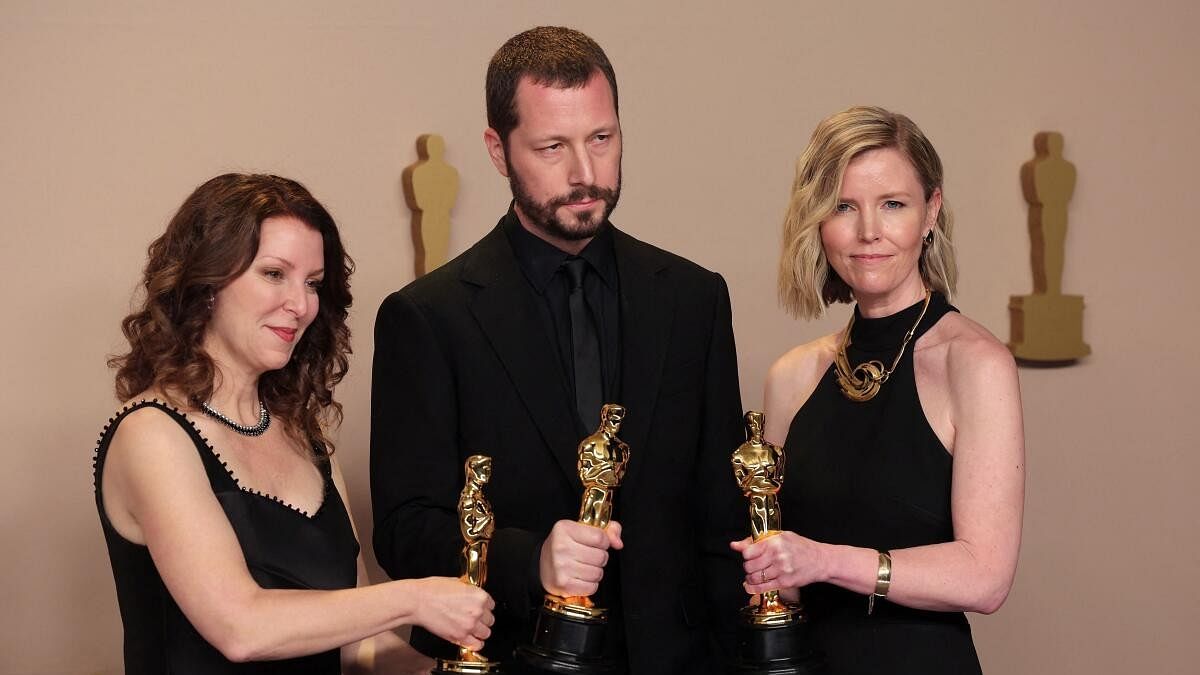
x: 905, y: 475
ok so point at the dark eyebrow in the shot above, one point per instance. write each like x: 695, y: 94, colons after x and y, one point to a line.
x: 288, y: 264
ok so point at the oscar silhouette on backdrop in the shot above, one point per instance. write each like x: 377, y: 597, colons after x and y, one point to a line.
x: 1047, y: 326
x: 430, y: 186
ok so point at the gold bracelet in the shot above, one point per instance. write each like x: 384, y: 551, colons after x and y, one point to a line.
x: 883, y: 580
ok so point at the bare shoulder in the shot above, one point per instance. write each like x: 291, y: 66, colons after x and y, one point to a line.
x: 804, y: 362
x: 792, y: 379
x: 971, y: 353
x: 152, y: 469
x: 148, y: 433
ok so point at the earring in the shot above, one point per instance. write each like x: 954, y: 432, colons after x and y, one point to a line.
x: 928, y: 239
x: 211, y: 300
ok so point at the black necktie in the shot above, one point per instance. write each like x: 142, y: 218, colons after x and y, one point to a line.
x: 585, y: 346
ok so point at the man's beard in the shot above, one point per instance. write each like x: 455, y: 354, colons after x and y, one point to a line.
x: 543, y: 215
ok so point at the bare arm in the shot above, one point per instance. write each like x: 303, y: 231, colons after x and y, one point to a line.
x: 790, y: 381
x: 384, y: 652
x: 155, y: 483
x: 975, y: 571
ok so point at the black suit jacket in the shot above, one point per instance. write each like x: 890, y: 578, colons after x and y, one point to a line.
x: 463, y: 365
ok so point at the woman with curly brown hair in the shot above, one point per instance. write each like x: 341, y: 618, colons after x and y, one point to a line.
x: 223, y: 509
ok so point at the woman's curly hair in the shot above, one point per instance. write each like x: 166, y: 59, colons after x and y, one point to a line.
x: 209, y: 242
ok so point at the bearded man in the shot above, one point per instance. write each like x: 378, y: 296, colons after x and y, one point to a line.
x: 512, y: 348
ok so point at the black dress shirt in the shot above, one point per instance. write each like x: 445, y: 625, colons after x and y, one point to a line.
x: 541, y: 263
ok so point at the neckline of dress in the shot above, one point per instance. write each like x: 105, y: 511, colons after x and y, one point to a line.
x: 229, y: 472
x: 885, y: 333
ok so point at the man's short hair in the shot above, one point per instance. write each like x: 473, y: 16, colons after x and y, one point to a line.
x: 550, y: 56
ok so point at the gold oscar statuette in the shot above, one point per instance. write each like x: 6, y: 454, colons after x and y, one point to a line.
x: 772, y: 634
x: 602, y: 460
x: 758, y: 468
x: 569, y: 636
x: 478, y: 524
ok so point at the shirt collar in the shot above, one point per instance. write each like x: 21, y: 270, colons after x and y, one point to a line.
x: 539, y: 260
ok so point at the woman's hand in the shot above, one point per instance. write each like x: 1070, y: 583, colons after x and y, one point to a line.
x: 455, y: 611
x: 784, y: 560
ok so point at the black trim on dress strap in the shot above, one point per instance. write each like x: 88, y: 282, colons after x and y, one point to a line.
x: 215, y: 465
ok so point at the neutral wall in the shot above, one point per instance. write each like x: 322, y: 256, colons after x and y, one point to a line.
x: 110, y: 113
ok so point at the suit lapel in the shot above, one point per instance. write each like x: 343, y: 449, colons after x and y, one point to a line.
x: 647, y: 314
x: 506, y: 311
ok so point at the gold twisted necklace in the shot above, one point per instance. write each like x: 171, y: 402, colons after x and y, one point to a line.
x: 863, y: 381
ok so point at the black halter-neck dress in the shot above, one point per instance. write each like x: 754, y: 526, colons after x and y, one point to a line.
x: 284, y: 548
x: 874, y: 474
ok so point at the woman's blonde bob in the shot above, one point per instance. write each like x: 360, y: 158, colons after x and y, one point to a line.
x: 807, y: 283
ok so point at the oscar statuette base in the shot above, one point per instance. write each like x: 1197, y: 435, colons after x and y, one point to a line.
x: 567, y: 639
x: 775, y: 644
x: 1047, y: 330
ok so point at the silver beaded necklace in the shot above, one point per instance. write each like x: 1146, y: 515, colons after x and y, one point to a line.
x: 264, y: 420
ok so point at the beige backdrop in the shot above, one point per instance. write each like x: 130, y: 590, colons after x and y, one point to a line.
x: 111, y: 112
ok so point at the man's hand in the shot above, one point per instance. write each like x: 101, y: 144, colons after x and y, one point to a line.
x: 574, y: 555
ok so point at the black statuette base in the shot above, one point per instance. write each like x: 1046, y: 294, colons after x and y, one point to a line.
x: 776, y: 650
x: 563, y: 644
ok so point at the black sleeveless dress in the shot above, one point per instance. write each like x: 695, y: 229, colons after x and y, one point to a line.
x: 284, y: 548
x: 874, y: 474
